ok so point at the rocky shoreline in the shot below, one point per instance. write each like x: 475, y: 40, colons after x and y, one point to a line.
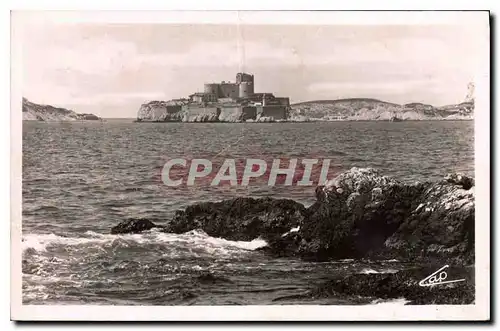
x: 47, y: 113
x: 361, y: 214
x: 343, y: 110
x: 365, y: 109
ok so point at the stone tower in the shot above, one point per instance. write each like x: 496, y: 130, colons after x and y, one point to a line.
x: 245, y: 84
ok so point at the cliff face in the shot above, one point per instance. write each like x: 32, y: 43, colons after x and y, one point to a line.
x: 36, y: 112
x: 376, y: 110
x: 156, y: 111
x: 172, y: 111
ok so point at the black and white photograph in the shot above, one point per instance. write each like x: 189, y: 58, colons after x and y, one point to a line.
x: 290, y: 165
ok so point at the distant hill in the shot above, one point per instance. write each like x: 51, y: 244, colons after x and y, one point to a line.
x: 365, y: 109
x: 359, y: 101
x: 36, y: 112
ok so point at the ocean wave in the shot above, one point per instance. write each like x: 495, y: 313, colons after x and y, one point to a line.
x: 40, y: 242
x: 195, y: 238
x: 371, y: 271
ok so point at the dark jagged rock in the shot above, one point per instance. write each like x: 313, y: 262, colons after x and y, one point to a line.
x: 403, y: 284
x: 442, y: 225
x: 88, y: 117
x: 461, y: 180
x: 357, y: 212
x: 362, y: 213
x: 241, y: 218
x: 285, y: 245
x: 135, y: 225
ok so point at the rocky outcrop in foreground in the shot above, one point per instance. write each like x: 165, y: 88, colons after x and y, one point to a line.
x: 363, y: 214
x: 402, y: 284
x: 237, y: 219
x: 360, y: 214
x: 36, y: 112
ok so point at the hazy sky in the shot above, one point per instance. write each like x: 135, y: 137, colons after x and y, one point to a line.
x: 109, y: 70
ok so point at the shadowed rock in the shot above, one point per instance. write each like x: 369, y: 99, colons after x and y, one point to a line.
x: 461, y: 180
x: 442, y: 225
x: 135, y: 225
x: 362, y: 213
x: 403, y: 284
x: 357, y: 212
x: 240, y: 218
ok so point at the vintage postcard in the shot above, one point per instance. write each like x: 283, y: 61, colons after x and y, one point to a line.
x: 271, y: 166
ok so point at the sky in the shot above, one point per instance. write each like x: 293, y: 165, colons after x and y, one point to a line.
x: 111, y: 69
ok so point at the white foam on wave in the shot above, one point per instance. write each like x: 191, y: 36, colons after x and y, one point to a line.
x: 201, y: 239
x: 40, y: 242
x: 393, y: 302
x: 371, y: 271
x: 292, y: 230
x: 245, y: 245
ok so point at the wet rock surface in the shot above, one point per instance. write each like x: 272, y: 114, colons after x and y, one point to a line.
x: 362, y: 213
x: 135, y: 225
x: 403, y: 284
x: 240, y: 218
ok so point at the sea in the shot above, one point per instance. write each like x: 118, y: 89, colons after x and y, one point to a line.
x: 79, y: 179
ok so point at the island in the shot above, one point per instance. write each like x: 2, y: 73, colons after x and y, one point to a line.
x: 365, y: 109
x: 238, y: 102
x: 47, y: 113
x: 220, y: 102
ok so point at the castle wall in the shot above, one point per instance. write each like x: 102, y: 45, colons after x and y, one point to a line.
x: 249, y: 113
x: 198, y: 98
x: 237, y: 113
x: 228, y: 90
x: 173, y: 109
x: 230, y: 113
x: 257, y: 97
x: 212, y: 89
x: 277, y: 112
x: 195, y: 113
x: 283, y: 101
x: 211, y: 97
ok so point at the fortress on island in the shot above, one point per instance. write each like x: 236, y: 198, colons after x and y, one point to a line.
x: 220, y: 102
x: 237, y: 102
